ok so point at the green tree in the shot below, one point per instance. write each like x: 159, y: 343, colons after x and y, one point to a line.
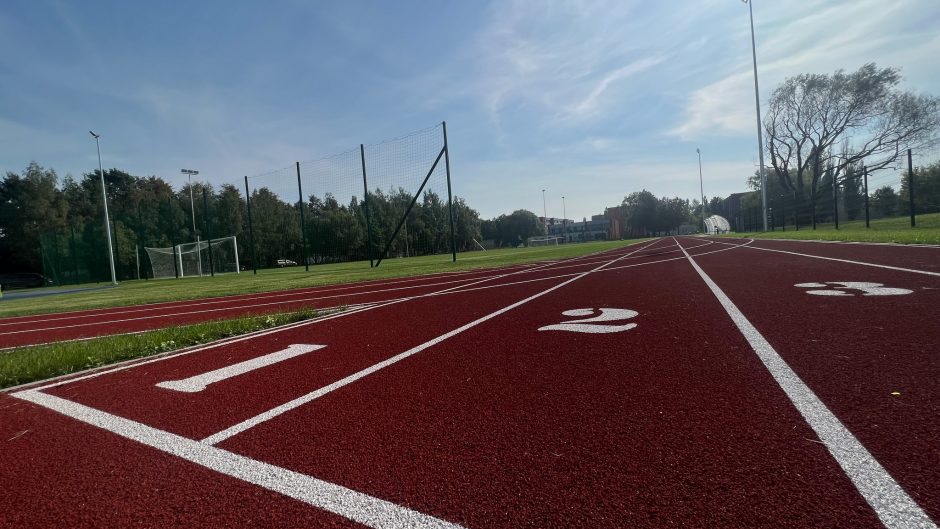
x: 30, y: 204
x: 640, y: 212
x: 884, y: 202
x: 811, y: 115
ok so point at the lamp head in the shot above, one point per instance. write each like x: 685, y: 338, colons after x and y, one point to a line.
x: 95, y: 135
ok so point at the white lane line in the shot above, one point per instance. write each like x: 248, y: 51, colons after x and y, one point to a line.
x: 362, y: 508
x: 313, y: 395
x: 197, y: 383
x: 104, y: 322
x: 894, y: 507
x: 129, y: 364
x: 169, y: 305
x: 239, y: 298
x: 225, y: 309
x: 849, y: 261
x: 324, y: 311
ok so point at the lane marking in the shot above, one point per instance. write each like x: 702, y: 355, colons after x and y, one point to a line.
x: 590, y: 325
x: 198, y: 383
x: 356, y: 506
x: 129, y: 364
x: 894, y: 507
x: 313, y: 395
x: 169, y: 305
x: 849, y: 261
x: 359, y: 507
x: 104, y: 322
x: 840, y: 287
x: 239, y: 298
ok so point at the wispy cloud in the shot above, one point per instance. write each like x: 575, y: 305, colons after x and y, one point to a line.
x: 812, y: 37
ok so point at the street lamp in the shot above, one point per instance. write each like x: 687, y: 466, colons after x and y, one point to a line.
x: 701, y: 187
x: 760, y: 138
x: 564, y: 218
x: 104, y: 200
x: 544, y: 212
x: 192, y: 207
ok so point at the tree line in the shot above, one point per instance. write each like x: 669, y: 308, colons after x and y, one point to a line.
x: 46, y: 221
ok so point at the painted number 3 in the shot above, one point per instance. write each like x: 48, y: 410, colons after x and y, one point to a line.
x: 601, y: 323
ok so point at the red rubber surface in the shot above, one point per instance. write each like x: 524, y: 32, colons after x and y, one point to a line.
x: 44, y: 328
x: 674, y: 423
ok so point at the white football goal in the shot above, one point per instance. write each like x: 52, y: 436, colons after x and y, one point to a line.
x: 545, y: 241
x: 202, y: 258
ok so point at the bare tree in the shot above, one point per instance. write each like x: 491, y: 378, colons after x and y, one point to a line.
x: 864, y: 112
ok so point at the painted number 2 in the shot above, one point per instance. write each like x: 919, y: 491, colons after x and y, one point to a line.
x: 602, y: 323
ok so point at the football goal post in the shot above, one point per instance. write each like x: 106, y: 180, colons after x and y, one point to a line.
x: 194, y: 258
x: 544, y: 241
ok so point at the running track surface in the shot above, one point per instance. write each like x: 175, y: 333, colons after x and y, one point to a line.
x: 685, y: 382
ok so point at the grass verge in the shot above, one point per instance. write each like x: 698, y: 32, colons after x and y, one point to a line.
x: 895, y: 230
x: 154, y: 291
x: 39, y: 362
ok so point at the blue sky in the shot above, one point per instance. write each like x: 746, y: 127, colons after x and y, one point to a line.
x: 590, y: 100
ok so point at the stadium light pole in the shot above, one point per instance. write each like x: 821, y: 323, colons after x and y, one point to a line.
x: 564, y: 218
x: 104, y: 200
x: 701, y: 187
x: 544, y: 212
x: 760, y: 137
x: 192, y: 207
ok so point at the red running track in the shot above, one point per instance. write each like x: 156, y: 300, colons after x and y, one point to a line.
x: 710, y: 392
x: 44, y: 328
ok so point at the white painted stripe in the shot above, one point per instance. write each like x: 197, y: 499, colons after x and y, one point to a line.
x: 129, y: 364
x: 104, y: 322
x: 313, y: 395
x: 198, y: 383
x: 362, y: 508
x: 849, y: 261
x: 895, y: 508
x: 167, y: 305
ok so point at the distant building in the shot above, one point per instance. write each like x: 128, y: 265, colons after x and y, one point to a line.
x: 608, y: 226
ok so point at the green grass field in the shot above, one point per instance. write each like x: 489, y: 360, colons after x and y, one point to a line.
x: 28, y: 364
x: 895, y: 229
x: 153, y: 291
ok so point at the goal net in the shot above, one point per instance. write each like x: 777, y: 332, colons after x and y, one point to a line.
x: 544, y: 241
x: 217, y: 256
x: 717, y: 224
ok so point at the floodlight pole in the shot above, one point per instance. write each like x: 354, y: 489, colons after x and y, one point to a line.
x: 104, y: 200
x: 544, y: 212
x: 760, y: 136
x: 701, y: 187
x: 564, y: 218
x: 192, y: 208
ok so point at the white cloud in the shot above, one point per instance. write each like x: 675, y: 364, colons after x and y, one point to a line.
x: 817, y: 38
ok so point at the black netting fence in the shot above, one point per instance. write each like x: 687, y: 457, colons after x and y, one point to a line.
x: 375, y: 202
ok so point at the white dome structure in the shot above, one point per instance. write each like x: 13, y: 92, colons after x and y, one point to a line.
x: 717, y: 224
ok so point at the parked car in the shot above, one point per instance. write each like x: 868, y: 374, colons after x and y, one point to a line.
x: 286, y: 262
x: 23, y: 280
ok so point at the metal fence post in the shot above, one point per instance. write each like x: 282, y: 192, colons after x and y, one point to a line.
x: 303, y: 225
x: 910, y: 186
x: 450, y: 200
x: 867, y: 216
x: 176, y: 267
x: 365, y: 199
x: 251, y: 230
x: 205, y: 227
